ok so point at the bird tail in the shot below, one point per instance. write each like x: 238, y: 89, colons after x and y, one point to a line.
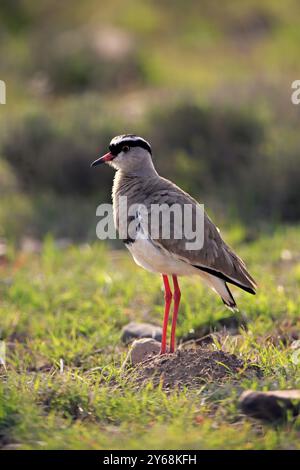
x: 229, y: 300
x: 220, y: 287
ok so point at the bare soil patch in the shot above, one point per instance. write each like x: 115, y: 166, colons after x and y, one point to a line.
x: 188, y: 368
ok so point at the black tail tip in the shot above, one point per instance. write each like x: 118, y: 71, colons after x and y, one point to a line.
x: 231, y: 305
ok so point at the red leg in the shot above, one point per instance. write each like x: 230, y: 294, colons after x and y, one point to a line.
x: 177, y: 295
x: 168, y: 300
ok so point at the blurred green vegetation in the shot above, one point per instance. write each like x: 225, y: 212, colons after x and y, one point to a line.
x: 208, y: 84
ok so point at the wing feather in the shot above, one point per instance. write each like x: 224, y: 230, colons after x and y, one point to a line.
x: 215, y: 257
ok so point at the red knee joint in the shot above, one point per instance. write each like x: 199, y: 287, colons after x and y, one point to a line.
x: 177, y: 295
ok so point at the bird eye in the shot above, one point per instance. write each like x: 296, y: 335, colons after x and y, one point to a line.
x: 125, y: 148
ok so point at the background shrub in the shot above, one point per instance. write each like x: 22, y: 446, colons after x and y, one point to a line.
x: 210, y: 90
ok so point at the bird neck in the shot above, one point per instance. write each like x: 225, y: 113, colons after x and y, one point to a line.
x: 147, y: 170
x: 125, y: 180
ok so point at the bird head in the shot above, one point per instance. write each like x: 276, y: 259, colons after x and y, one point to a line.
x: 129, y: 153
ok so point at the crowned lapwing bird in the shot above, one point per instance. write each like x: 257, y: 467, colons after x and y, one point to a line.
x: 138, y: 185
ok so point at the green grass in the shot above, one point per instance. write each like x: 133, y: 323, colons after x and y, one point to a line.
x: 61, y: 316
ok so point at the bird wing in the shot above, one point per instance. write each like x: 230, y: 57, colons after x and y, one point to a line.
x: 214, y: 257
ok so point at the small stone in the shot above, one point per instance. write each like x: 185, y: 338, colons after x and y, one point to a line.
x: 63, y: 243
x: 295, y: 345
x: 136, y: 330
x: 3, y: 248
x: 12, y: 446
x: 271, y: 406
x: 31, y: 245
x: 140, y: 350
x: 286, y: 255
x: 3, y: 252
x: 233, y: 322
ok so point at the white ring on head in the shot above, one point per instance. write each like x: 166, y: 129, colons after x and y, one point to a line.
x: 119, y: 138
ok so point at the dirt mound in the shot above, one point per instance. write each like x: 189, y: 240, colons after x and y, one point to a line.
x: 186, y: 368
